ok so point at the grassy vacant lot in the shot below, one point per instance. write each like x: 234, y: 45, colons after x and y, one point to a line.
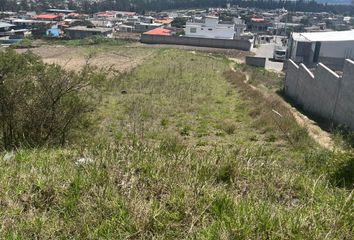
x: 180, y: 147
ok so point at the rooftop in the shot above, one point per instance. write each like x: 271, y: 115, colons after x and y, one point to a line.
x: 88, y: 29
x: 45, y: 16
x: 257, y: 19
x: 164, y: 21
x: 335, y: 36
x: 60, y: 10
x: 5, y: 25
x: 105, y: 14
x: 159, y: 32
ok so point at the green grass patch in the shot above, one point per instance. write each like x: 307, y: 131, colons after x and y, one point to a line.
x: 262, y: 77
x: 90, y: 41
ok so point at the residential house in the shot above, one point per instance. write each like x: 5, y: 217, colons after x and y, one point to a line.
x: 164, y: 21
x: 159, y: 32
x: 48, y: 17
x: 141, y: 27
x: 125, y: 28
x: 258, y: 25
x: 79, y: 32
x: 5, y: 28
x: 53, y: 32
x: 9, y: 35
x: 211, y: 27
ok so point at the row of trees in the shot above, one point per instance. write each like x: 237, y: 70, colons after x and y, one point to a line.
x: 90, y: 6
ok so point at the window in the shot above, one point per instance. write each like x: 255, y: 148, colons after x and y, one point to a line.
x: 280, y: 53
x: 193, y: 30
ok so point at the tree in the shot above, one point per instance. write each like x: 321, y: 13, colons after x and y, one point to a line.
x: 24, y: 5
x: 40, y: 104
x: 179, y: 22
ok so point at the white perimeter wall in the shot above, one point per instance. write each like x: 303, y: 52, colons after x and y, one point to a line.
x: 324, y: 93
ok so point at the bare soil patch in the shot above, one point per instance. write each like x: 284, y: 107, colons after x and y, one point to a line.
x: 120, y: 58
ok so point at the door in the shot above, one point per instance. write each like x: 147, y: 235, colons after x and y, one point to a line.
x: 316, y: 54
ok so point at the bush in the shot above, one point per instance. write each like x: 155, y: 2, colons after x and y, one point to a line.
x: 40, y: 103
x: 24, y: 43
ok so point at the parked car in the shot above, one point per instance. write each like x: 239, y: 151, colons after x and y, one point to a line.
x: 279, y: 54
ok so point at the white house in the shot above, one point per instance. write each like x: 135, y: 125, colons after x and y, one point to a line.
x: 329, y: 48
x: 211, y: 27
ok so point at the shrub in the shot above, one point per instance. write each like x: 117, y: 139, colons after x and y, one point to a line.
x: 24, y: 43
x: 40, y: 103
x: 228, y: 127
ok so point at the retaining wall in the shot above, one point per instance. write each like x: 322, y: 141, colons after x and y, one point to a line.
x: 323, y: 93
x: 240, y: 44
x: 344, y: 111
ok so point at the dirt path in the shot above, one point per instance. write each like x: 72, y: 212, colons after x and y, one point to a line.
x: 320, y: 136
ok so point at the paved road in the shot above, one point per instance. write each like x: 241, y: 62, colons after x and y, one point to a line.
x: 266, y: 50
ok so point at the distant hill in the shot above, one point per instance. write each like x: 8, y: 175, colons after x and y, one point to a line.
x: 335, y: 1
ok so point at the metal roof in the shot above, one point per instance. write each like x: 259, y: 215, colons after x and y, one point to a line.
x: 88, y: 29
x: 46, y: 16
x: 5, y: 25
x: 60, y: 10
x: 335, y: 36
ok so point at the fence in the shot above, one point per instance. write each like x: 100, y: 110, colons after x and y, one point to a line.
x: 241, y: 44
x: 323, y: 92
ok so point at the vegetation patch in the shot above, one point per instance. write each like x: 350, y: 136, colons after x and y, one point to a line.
x: 95, y: 40
x: 179, y: 147
x: 261, y: 77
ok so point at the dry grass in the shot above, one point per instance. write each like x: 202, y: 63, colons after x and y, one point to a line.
x: 269, y: 112
x: 116, y: 58
x: 188, y: 151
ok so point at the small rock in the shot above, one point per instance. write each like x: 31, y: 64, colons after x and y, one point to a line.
x: 295, y: 202
x: 84, y: 160
x: 8, y: 156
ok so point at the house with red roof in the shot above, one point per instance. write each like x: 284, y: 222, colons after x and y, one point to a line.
x: 159, y: 32
x: 48, y: 17
x: 106, y: 14
x: 257, y: 24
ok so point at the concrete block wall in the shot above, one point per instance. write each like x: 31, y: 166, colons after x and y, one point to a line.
x: 291, y: 80
x: 326, y: 91
x: 256, y: 61
x: 305, y: 88
x: 240, y: 44
x: 323, y: 93
x: 336, y: 64
x: 344, y: 111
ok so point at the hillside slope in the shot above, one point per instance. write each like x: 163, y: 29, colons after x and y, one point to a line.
x: 180, y: 147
